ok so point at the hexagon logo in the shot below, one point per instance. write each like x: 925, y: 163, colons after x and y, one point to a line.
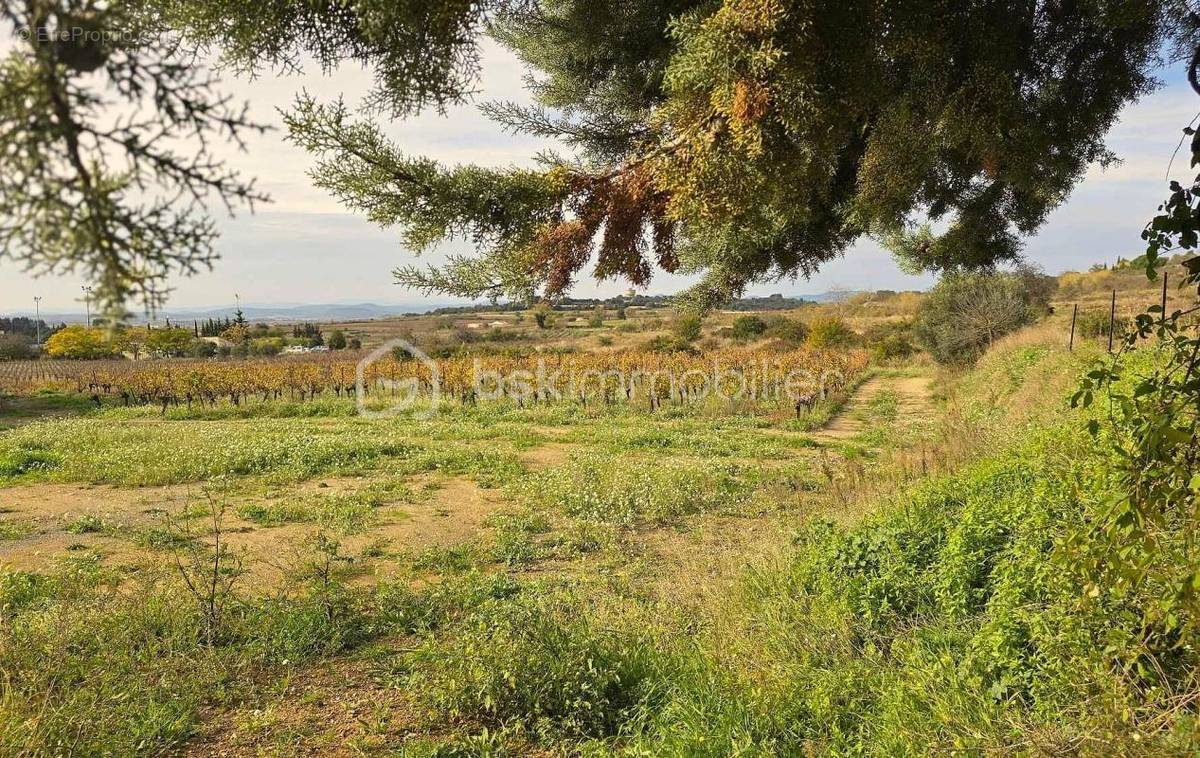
x: 403, y: 393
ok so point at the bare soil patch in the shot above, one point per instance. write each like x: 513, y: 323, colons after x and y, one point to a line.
x: 336, y: 708
x: 453, y: 512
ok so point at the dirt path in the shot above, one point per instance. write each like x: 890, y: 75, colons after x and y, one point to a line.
x: 914, y: 403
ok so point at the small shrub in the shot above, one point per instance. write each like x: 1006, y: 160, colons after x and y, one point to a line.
x: 789, y: 330
x: 747, y: 328
x: 665, y: 343
x: 829, y: 332
x: 890, y: 339
x: 86, y: 524
x: 539, y: 665
x: 687, y: 328
x: 967, y: 312
x: 14, y: 348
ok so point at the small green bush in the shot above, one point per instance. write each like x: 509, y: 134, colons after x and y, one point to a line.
x: 541, y: 666
x: 829, y: 332
x: 890, y: 340
x: 15, y: 348
x: 86, y: 524
x: 687, y: 328
x: 747, y: 327
x: 789, y: 330
x: 665, y: 343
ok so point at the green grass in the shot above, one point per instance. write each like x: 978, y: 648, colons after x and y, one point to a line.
x: 14, y: 530
x: 129, y: 672
x: 631, y: 492
x: 15, y: 411
x: 945, y: 621
x: 156, y: 452
x: 87, y: 524
x: 343, y: 513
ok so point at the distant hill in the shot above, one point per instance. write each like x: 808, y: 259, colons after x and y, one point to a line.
x: 316, y: 312
x: 768, y: 303
x: 320, y: 312
x: 340, y: 312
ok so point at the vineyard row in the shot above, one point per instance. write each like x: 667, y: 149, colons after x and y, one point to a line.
x: 802, y: 376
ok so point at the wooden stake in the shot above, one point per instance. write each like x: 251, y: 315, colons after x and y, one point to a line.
x: 1112, y: 320
x: 1164, y: 298
x: 1074, y: 313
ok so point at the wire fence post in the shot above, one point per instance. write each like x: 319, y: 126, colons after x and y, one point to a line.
x: 1074, y: 314
x: 1112, y: 319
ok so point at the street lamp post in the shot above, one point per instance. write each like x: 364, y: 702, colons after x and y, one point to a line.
x: 37, y: 318
x: 87, y: 302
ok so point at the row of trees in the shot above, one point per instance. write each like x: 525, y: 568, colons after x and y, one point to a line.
x: 956, y: 321
x: 19, y: 335
x: 90, y: 343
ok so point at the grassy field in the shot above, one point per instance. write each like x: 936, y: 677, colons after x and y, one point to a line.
x: 875, y: 575
x: 269, y: 544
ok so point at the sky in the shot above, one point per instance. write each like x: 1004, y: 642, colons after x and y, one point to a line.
x: 304, y: 247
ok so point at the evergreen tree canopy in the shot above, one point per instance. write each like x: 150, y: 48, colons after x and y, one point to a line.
x: 97, y: 96
x: 741, y: 139
x: 755, y: 139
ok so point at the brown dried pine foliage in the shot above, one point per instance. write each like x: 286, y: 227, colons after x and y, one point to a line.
x: 628, y: 213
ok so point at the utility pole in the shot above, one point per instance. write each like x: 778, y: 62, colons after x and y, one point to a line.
x: 87, y: 301
x: 37, y: 318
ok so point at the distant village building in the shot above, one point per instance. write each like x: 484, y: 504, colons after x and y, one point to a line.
x: 300, y: 349
x: 220, y: 342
